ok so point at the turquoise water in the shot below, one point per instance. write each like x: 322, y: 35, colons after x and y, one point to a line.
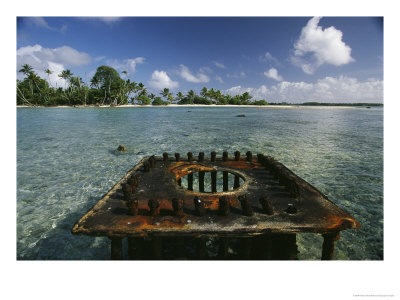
x: 66, y: 162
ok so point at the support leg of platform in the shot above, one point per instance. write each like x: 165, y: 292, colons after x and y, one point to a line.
x: 201, y: 249
x: 180, y: 248
x: 116, y: 248
x: 245, y: 245
x: 135, y: 248
x: 328, y: 247
x: 223, y: 248
x: 156, y: 247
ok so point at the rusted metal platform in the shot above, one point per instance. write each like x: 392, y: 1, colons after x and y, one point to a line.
x: 252, y: 200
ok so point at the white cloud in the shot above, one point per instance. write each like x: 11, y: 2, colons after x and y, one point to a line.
x: 206, y: 70
x: 128, y: 65
x: 317, y: 46
x: 56, y: 59
x: 219, y: 79
x: 273, y: 73
x: 109, y: 20
x: 185, y: 73
x: 268, y: 57
x: 236, y: 75
x: 160, y: 80
x: 42, y: 23
x: 328, y: 89
x: 219, y: 65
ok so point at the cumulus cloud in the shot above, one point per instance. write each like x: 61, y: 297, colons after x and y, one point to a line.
x: 273, y: 74
x: 219, y: 65
x: 160, y: 80
x: 55, y: 59
x: 328, y: 89
x: 185, y: 73
x: 317, y: 46
x: 128, y: 65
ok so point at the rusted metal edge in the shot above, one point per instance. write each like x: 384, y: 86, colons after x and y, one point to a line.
x: 269, y: 161
x: 75, y: 229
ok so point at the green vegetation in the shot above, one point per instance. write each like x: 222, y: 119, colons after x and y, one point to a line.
x: 108, y: 88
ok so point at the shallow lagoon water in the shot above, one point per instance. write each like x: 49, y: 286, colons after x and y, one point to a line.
x: 66, y: 160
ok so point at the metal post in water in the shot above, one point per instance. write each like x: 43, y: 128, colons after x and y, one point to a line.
x: 190, y: 181
x: 214, y: 181
x: 328, y: 247
x: 201, y: 181
x: 225, y: 180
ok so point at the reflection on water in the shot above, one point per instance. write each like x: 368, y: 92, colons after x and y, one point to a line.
x: 66, y: 162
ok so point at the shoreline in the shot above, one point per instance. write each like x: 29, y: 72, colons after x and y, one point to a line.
x: 200, y: 105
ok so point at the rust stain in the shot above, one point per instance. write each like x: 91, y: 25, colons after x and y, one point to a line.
x: 180, y: 169
x: 212, y: 203
x: 241, y: 164
x: 341, y: 223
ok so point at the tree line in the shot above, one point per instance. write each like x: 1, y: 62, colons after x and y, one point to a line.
x: 108, y: 88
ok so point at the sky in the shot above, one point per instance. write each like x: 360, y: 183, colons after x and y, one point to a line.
x: 279, y: 59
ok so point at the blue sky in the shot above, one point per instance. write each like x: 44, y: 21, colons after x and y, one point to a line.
x: 294, y: 59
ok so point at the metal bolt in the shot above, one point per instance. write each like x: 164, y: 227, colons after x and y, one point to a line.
x: 224, y: 156
x: 249, y: 156
x: 154, y: 206
x: 291, y: 209
x: 190, y: 156
x: 177, y: 156
x: 266, y: 205
x: 213, y: 156
x: 199, y: 206
x: 224, y: 206
x: 201, y: 156
x: 165, y: 156
x: 177, y: 205
x: 237, y: 155
x: 246, y: 207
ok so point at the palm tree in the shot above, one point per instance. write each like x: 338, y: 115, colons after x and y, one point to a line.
x: 66, y: 75
x: 191, y: 94
x: 165, y: 93
x: 27, y: 70
x: 211, y: 94
x: 204, y: 92
x: 48, y: 72
x: 218, y: 95
x: 179, y: 96
x: 245, y: 97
